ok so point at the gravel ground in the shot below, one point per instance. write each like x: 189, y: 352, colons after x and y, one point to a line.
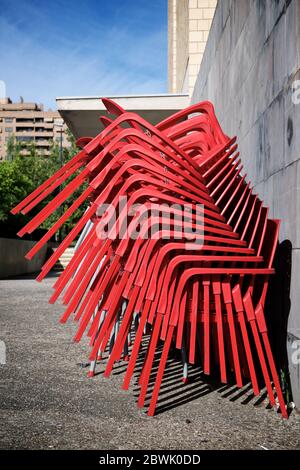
x: 47, y: 402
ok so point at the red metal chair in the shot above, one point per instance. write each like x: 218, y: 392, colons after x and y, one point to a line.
x: 201, y: 290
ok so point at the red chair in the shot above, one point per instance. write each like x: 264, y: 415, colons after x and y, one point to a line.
x: 201, y: 290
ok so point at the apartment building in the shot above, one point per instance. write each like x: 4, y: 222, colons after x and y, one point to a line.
x: 189, y: 22
x: 30, y: 123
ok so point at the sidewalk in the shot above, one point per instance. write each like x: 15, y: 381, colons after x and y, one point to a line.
x: 47, y: 402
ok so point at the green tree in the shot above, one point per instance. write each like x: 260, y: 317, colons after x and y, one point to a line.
x: 20, y: 175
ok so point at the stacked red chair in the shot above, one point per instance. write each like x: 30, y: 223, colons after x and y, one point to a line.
x: 141, y: 274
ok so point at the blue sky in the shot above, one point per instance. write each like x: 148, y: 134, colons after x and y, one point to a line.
x: 51, y: 48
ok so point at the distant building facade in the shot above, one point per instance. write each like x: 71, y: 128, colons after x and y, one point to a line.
x: 29, y: 123
x: 189, y: 23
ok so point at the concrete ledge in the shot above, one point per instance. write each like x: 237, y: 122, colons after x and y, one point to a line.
x: 81, y: 114
x: 250, y: 62
x: 12, y: 257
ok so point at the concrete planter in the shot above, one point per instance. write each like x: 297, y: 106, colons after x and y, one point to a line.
x: 12, y: 257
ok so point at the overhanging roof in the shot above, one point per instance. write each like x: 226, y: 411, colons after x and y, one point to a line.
x: 81, y: 114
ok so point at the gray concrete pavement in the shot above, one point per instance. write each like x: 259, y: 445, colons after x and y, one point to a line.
x: 47, y: 402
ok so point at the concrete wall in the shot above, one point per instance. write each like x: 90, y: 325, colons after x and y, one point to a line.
x: 182, y: 42
x: 201, y: 13
x: 172, y: 46
x: 12, y: 257
x: 189, y: 22
x: 249, y: 66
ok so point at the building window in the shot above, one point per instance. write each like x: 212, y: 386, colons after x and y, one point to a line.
x: 24, y: 138
x: 24, y: 120
x: 8, y: 120
x: 8, y: 129
x: 24, y: 129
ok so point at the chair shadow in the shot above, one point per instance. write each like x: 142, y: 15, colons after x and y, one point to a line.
x: 277, y: 310
x: 174, y: 393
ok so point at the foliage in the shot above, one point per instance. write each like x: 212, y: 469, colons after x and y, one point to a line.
x: 20, y: 175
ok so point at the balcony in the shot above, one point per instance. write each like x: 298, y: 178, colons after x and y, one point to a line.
x: 24, y: 138
x: 43, y: 126
x: 24, y: 130
x: 43, y: 133
x: 24, y: 122
x: 43, y: 143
